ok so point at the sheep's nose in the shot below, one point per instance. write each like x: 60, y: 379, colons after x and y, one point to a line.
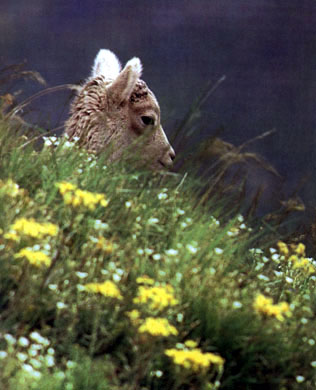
x: 172, y: 154
x: 167, y: 160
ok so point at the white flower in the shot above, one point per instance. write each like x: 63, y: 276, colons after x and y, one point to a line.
x: 50, y: 141
x: 23, y: 342
x: 300, y: 379
x: 259, y: 266
x: 218, y: 251
x: 21, y: 356
x: 35, y: 363
x: 128, y: 204
x: 192, y: 249
x: 313, y: 364
x: 289, y: 280
x: 52, y: 287
x: 162, y: 196
x: 81, y: 275
x: 275, y: 257
x: 153, y: 221
x: 3, y: 354
x: 70, y: 364
x: 49, y: 361
x: 27, y: 368
x: 61, y: 305
x: 240, y: 218
x: 99, y: 225
x: 35, y: 336
x: 263, y: 277
x: 157, y: 256
x: 68, y: 145
x: 212, y: 271
x: 179, y: 317
x: 256, y: 251
x: 117, y: 277
x: 237, y: 305
x: 171, y: 252
x: 9, y: 339
x: 214, y: 222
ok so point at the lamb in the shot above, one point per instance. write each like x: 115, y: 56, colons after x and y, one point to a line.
x: 115, y: 110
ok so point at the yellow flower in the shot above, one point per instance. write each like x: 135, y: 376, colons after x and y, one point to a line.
x: 107, y: 288
x: 31, y: 228
x: 305, y: 264
x: 283, y: 248
x: 190, y: 343
x: 134, y: 316
x: 261, y: 302
x: 65, y: 187
x: 293, y: 259
x: 36, y: 258
x: 12, y: 236
x: 157, y: 298
x: 300, y: 249
x: 194, y: 359
x: 104, y: 245
x: 145, y: 280
x: 76, y: 197
x: 264, y: 305
x: 157, y: 327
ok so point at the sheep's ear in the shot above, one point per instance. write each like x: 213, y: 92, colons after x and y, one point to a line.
x: 106, y: 64
x: 122, y: 87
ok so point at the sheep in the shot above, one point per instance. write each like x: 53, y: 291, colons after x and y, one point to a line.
x: 115, y: 110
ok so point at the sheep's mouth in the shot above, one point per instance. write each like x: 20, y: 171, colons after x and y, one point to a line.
x: 161, y: 164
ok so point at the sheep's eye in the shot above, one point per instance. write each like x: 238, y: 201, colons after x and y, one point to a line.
x: 148, y: 120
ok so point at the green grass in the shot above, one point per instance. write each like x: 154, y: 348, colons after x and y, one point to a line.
x: 55, y: 334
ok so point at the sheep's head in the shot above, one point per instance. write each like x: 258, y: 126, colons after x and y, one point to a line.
x: 115, y: 110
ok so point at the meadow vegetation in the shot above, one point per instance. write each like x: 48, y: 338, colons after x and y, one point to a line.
x: 116, y: 278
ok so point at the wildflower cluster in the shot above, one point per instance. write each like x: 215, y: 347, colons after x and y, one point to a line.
x: 157, y: 327
x: 155, y: 297
x: 264, y: 305
x: 31, y: 228
x: 76, y: 197
x: 295, y: 255
x: 107, y: 288
x: 193, y: 358
x: 34, y: 257
x: 33, y: 353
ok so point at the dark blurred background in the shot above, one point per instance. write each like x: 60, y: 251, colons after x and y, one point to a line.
x: 266, y: 49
